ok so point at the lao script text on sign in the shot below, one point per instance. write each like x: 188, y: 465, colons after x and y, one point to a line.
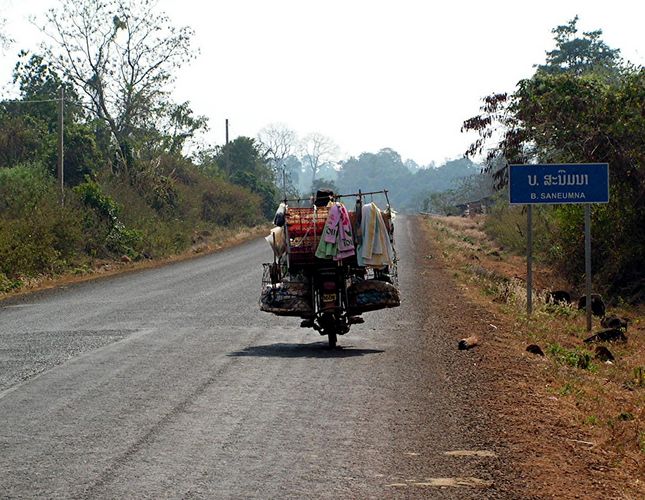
x: 559, y: 183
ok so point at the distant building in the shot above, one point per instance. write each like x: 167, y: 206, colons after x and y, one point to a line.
x: 477, y: 207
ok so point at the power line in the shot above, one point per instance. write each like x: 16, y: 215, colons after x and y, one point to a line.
x: 18, y: 101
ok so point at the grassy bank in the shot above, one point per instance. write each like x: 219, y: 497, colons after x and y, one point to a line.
x: 112, y: 222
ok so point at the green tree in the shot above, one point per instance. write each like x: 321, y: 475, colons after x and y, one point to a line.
x: 243, y: 164
x: 322, y: 183
x: 579, y: 55
x: 37, y: 81
x: 375, y: 171
x: 20, y: 139
x: 172, y: 132
x: 580, y: 116
x: 29, y: 127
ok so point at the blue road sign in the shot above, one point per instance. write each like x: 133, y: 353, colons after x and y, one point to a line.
x: 559, y: 183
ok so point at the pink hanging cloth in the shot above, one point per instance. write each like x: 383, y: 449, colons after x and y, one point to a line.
x: 345, y: 238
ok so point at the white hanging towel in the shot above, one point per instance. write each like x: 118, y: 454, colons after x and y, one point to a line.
x: 375, y: 250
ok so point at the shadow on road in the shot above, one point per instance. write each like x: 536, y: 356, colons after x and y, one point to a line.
x: 313, y: 350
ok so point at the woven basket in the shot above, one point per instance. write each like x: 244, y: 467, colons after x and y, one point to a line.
x: 372, y: 295
x: 287, y: 299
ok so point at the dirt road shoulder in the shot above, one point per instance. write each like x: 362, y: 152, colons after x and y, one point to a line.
x: 573, y: 430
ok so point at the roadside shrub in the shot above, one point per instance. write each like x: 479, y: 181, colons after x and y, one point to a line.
x: 156, y: 187
x: 561, y: 310
x: 121, y: 240
x: 507, y: 225
x: 7, y: 284
x: 92, y: 195
x: 107, y: 216
x: 578, y: 358
x: 22, y: 187
x: 106, y: 226
x: 230, y: 206
x: 20, y: 139
x: 37, y: 235
x: 43, y: 242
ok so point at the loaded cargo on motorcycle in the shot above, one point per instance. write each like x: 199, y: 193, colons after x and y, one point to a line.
x: 331, y: 264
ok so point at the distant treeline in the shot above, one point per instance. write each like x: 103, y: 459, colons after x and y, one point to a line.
x: 411, y: 188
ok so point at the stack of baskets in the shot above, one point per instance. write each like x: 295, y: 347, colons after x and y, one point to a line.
x: 304, y: 229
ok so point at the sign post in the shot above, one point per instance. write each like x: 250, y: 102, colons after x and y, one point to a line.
x: 553, y: 184
x: 529, y: 260
x: 588, y: 265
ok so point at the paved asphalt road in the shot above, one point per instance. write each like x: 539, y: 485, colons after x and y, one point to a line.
x: 170, y: 383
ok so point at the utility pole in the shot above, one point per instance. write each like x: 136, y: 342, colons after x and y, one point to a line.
x: 228, y: 153
x: 284, y: 180
x: 61, y: 152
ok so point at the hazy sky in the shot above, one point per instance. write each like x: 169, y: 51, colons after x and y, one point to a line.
x: 368, y: 73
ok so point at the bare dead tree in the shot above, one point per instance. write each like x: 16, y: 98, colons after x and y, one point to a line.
x: 317, y: 150
x: 5, y: 39
x: 277, y: 142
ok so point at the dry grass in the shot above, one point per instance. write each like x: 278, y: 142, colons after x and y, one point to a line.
x: 594, y: 402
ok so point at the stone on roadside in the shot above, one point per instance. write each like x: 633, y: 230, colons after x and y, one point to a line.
x: 468, y: 343
x: 535, y: 349
x: 597, y: 304
x: 614, y: 321
x: 126, y: 259
x: 200, y: 248
x: 559, y: 297
x: 608, y: 335
x: 604, y: 354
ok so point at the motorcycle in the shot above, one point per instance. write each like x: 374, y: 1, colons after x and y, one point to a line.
x: 328, y: 295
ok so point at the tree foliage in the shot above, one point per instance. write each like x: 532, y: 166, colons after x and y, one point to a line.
x: 579, y: 55
x: 322, y: 183
x: 20, y: 139
x: 29, y: 125
x: 375, y: 171
x: 243, y: 164
x: 121, y: 56
x: 574, y: 71
x: 581, y: 106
